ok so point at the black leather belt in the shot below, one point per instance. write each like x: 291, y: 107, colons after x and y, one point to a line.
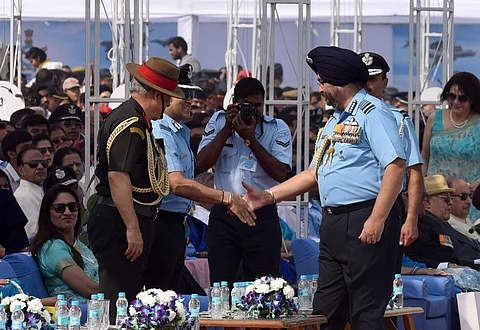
x: 171, y: 216
x: 146, y: 211
x: 349, y: 208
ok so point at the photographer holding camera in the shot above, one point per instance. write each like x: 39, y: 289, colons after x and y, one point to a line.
x: 244, y: 145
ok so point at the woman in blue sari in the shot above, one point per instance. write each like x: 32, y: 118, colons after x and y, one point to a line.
x: 67, y: 265
x: 451, y: 142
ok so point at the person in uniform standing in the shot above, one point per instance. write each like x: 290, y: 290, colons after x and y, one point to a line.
x: 167, y: 256
x: 359, y: 165
x: 133, y: 179
x: 244, y: 145
x: 413, y: 184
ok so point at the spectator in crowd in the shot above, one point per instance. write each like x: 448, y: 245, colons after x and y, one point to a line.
x: 12, y: 222
x: 42, y: 95
x: 69, y: 157
x: 13, y: 143
x: 17, y: 117
x: 5, y: 182
x: 439, y: 245
x: 67, y: 265
x: 32, y: 168
x: 178, y: 50
x: 38, y: 59
x: 461, y: 204
x: 35, y: 124
x: 43, y: 144
x: 5, y: 128
x: 55, y: 100
x: 71, y: 87
x: 451, y: 141
x: 58, y: 137
x: 69, y: 117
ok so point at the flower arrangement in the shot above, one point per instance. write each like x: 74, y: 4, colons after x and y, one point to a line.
x: 155, y: 309
x: 269, y: 297
x: 36, y: 317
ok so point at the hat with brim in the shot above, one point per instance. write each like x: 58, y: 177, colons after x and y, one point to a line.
x: 436, y: 184
x: 185, y: 78
x: 158, y: 74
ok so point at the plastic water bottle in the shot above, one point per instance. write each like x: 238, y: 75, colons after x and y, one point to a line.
x: 194, y: 309
x: 303, y: 293
x: 17, y: 318
x: 313, y: 288
x: 60, y: 297
x: 225, y: 293
x: 94, y: 314
x: 62, y: 316
x: 75, y: 315
x: 398, y: 291
x: 237, y: 299
x: 3, y: 318
x: 216, y: 301
x: 122, y: 309
x: 104, y: 312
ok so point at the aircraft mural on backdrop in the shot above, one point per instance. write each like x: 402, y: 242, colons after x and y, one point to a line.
x: 435, y: 51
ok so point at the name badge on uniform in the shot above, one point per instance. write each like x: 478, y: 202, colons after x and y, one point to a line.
x: 445, y: 240
x: 248, y: 164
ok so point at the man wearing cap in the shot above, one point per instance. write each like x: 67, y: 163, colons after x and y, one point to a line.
x: 167, y: 256
x: 69, y: 117
x: 358, y: 165
x: 133, y: 179
x: 413, y: 184
x: 71, y: 87
x: 438, y: 244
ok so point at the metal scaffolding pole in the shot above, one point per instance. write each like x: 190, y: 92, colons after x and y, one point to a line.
x: 429, y: 51
x: 14, y: 51
x: 336, y: 29
x: 234, y: 25
x: 303, y: 84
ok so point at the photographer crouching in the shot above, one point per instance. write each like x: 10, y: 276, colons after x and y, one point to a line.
x: 244, y: 145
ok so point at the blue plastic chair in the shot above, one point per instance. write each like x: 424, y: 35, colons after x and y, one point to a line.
x: 28, y: 272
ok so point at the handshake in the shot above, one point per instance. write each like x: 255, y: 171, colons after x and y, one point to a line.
x: 244, y: 206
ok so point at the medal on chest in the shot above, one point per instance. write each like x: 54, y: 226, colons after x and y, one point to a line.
x: 347, y: 132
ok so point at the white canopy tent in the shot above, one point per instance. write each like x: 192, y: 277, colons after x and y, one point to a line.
x: 167, y: 10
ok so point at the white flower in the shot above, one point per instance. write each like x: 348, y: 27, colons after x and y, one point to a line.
x: 6, y: 301
x: 171, y: 293
x: 277, y: 284
x: 14, y: 303
x: 131, y: 311
x: 34, y: 306
x: 257, y: 283
x: 163, y: 298
x: 172, y: 315
x: 288, y: 292
x: 263, y: 288
x: 46, y: 315
x: 180, y: 310
x: 21, y: 297
x: 249, y: 289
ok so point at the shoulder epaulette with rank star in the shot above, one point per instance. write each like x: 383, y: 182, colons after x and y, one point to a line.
x: 283, y: 144
x: 166, y: 128
x: 366, y: 106
x: 205, y: 133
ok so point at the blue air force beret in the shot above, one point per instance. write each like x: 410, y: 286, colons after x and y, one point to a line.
x: 375, y: 63
x: 337, y: 66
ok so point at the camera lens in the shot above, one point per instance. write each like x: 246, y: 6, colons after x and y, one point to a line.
x: 247, y: 110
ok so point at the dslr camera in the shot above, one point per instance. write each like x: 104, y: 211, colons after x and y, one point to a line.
x: 247, y: 111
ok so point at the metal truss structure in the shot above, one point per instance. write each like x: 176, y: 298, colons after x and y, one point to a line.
x: 303, y: 84
x: 14, y: 49
x: 336, y: 28
x: 429, y: 51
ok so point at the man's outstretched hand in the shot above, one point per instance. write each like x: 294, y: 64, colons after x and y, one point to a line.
x: 256, y: 198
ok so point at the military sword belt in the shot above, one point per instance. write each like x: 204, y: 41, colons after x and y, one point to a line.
x: 349, y: 208
x: 146, y: 211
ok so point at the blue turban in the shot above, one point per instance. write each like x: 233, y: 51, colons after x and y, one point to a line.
x: 337, y: 66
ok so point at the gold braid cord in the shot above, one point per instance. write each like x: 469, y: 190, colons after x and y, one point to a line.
x: 320, y: 151
x: 159, y: 186
x: 402, y: 127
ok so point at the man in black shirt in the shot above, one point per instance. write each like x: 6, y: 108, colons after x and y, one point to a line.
x: 133, y: 177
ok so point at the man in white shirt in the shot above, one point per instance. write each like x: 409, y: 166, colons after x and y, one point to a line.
x: 461, y: 203
x: 13, y: 143
x: 33, y: 171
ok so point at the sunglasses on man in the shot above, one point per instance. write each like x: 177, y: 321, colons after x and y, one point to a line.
x: 68, y: 123
x: 61, y: 207
x: 464, y: 196
x: 34, y: 163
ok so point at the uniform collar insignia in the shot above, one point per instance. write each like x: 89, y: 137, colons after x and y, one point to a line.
x: 309, y: 60
x: 59, y: 174
x: 176, y: 125
x: 367, y: 59
x: 352, y: 106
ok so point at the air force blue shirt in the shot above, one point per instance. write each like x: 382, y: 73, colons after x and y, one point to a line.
x: 180, y: 158
x: 238, y: 163
x: 356, y: 170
